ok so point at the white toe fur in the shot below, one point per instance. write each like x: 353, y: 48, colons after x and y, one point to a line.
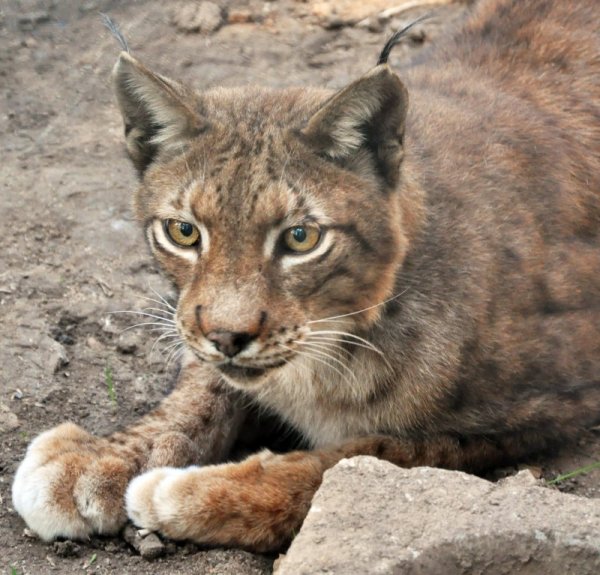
x: 147, y: 496
x: 32, y: 498
x: 140, y: 495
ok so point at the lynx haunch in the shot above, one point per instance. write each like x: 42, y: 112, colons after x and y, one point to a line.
x: 407, y: 268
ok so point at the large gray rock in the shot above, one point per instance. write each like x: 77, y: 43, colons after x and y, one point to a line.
x: 370, y: 516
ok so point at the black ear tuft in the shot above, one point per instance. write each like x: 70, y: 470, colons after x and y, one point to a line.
x: 396, y: 38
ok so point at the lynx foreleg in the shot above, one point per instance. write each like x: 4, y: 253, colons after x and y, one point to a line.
x: 72, y: 484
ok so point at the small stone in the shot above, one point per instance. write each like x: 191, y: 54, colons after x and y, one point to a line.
x: 30, y: 20
x: 151, y: 547
x: 131, y: 535
x: 189, y: 548
x: 127, y: 343
x: 524, y: 478
x: 372, y: 24
x: 89, y: 6
x: 240, y: 16
x: 31, y: 43
x: 66, y: 549
x: 93, y: 343
x: 8, y: 420
x: 205, y: 17
x: 334, y: 22
x: 56, y: 356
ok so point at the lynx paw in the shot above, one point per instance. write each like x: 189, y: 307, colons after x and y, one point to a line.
x: 257, y: 504
x: 69, y: 486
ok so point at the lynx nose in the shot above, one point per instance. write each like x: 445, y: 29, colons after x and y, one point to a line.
x: 229, y: 342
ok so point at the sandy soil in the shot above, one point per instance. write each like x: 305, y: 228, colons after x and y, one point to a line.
x: 70, y: 252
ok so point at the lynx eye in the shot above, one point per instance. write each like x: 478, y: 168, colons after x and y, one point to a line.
x: 301, y: 239
x: 181, y: 233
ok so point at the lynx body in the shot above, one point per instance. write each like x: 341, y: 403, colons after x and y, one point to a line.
x: 407, y: 268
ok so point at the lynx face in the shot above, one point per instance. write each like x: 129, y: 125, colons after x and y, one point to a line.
x: 273, y: 212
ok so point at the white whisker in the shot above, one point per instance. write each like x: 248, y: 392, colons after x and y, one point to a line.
x: 163, y: 325
x: 340, y: 340
x: 360, y: 310
x: 144, y: 314
x: 176, y: 347
x: 315, y: 348
x: 334, y: 347
x: 171, y: 345
x: 159, y: 302
x: 161, y: 298
x: 350, y: 335
x: 167, y: 312
x: 168, y: 335
x: 310, y: 355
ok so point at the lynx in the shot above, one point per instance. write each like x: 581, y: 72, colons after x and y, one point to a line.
x: 407, y: 268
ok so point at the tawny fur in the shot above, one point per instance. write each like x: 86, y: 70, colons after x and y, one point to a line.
x: 460, y: 206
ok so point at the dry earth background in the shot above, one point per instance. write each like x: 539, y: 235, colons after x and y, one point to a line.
x: 70, y: 252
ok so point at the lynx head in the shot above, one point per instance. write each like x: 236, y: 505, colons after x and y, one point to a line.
x: 271, y: 211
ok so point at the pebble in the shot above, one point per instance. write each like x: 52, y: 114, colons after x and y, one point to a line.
x: 127, y: 343
x: 30, y: 20
x: 240, y: 16
x: 8, y: 420
x: 66, y: 549
x: 205, y: 17
x: 148, y: 546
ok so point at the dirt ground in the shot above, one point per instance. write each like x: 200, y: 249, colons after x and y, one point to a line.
x: 70, y: 252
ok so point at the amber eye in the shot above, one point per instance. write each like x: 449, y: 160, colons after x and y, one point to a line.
x: 302, y: 239
x: 183, y: 234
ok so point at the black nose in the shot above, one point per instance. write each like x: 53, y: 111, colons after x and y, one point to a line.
x: 230, y: 342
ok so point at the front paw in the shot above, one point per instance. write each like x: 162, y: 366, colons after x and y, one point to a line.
x: 257, y: 504
x: 70, y: 485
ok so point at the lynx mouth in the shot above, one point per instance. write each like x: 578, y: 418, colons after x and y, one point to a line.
x: 246, y: 372
x: 239, y: 372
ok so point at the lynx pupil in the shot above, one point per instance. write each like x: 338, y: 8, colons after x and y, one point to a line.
x: 186, y: 229
x: 299, y: 234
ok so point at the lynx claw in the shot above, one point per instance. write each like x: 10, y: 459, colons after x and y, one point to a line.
x: 66, y: 487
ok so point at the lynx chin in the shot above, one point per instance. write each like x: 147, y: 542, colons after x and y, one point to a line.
x: 407, y: 268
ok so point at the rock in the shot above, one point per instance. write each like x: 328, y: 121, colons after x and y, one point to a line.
x: 127, y: 342
x: 151, y: 547
x: 370, y: 516
x: 146, y: 543
x: 66, y: 548
x: 8, y: 420
x: 53, y: 355
x: 30, y: 20
x: 240, y: 16
x: 345, y: 12
x: 40, y: 349
x: 203, y: 17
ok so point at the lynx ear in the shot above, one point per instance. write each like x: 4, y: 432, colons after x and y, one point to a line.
x: 367, y: 116
x: 159, y: 114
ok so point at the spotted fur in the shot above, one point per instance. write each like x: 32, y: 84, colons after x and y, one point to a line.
x: 449, y: 314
